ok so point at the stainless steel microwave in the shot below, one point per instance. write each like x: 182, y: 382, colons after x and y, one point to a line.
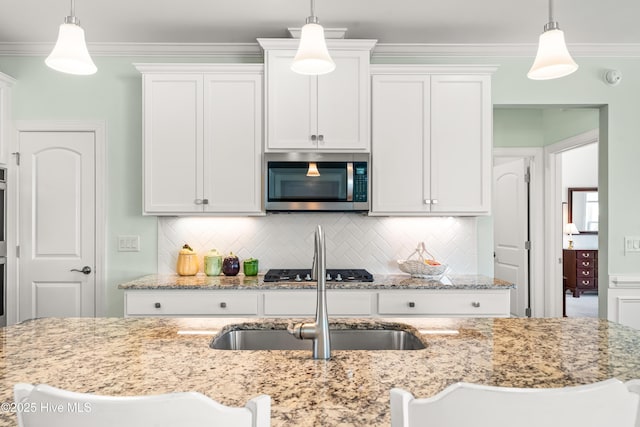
x: 316, y: 182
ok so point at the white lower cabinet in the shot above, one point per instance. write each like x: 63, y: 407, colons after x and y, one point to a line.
x: 623, y: 305
x: 190, y: 303
x: 302, y: 303
x: 444, y: 303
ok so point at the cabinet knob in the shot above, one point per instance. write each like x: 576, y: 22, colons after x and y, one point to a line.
x: 205, y: 201
x: 475, y: 304
x: 314, y: 138
x: 198, y: 201
x: 321, y: 139
x: 434, y: 201
x: 427, y: 201
x: 157, y: 305
x: 223, y: 305
x: 412, y: 304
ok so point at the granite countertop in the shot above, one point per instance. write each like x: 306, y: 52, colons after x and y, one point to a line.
x: 139, y: 356
x: 392, y: 281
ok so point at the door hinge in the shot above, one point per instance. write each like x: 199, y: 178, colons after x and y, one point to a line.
x: 527, y: 176
x: 17, y: 251
x: 527, y: 245
x: 527, y: 311
x: 17, y: 157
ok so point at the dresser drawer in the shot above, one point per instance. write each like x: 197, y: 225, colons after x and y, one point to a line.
x: 581, y: 273
x: 586, y: 262
x: 586, y: 254
x: 190, y: 303
x: 588, y: 283
x: 445, y: 303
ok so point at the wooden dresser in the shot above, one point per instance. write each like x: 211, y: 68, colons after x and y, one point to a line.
x: 580, y: 268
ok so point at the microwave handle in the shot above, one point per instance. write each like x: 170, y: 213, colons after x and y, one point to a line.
x: 349, y: 181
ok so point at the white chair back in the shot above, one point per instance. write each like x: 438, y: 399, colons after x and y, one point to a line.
x: 602, y: 404
x: 45, y: 406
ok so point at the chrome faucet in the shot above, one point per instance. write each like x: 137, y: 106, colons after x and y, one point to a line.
x: 317, y: 331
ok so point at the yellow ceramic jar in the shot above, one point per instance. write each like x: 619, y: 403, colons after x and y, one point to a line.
x: 187, y: 262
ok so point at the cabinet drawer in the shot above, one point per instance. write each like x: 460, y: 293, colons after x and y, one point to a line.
x: 588, y: 283
x: 584, y: 254
x: 485, y: 303
x: 192, y: 303
x: 303, y: 303
x: 586, y: 262
x: 585, y: 272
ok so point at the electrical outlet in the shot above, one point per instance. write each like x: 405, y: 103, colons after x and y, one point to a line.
x: 631, y: 244
x: 128, y: 243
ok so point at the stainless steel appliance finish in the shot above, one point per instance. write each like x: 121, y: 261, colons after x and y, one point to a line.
x: 341, y: 339
x: 342, y: 184
x: 304, y: 275
x: 3, y: 247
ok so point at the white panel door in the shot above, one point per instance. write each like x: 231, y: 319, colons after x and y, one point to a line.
x: 233, y: 142
x: 343, y: 103
x: 173, y: 143
x: 400, y: 143
x: 510, y: 230
x: 57, y: 224
x: 291, y: 113
x: 461, y: 143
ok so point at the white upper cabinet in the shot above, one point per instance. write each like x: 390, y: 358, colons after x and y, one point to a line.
x: 6, y: 128
x: 202, y: 140
x: 329, y: 112
x: 431, y: 140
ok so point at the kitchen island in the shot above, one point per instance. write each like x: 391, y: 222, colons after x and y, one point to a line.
x: 139, y: 356
x: 387, y: 295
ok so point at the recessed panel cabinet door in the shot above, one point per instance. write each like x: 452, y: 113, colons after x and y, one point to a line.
x: 233, y: 142
x: 400, y: 143
x: 461, y: 143
x: 173, y: 143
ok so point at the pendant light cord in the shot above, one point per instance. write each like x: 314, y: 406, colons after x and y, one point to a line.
x: 550, y: 11
x: 313, y: 8
x: 73, y: 8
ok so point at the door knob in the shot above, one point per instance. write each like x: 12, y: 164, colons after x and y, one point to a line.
x: 85, y: 270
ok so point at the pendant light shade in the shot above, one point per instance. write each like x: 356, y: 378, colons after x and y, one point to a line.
x: 312, y: 57
x: 553, y: 59
x: 313, y: 169
x: 70, y: 54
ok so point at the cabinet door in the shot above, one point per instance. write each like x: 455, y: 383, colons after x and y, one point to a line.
x: 400, y: 143
x: 343, y: 103
x: 173, y: 143
x: 461, y: 129
x: 328, y: 112
x: 233, y: 142
x: 291, y: 113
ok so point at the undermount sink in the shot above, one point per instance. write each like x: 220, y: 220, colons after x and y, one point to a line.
x: 341, y: 339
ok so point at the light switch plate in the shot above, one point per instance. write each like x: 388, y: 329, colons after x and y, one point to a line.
x: 128, y: 243
x: 631, y: 244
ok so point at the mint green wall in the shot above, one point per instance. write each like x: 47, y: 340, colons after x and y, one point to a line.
x: 518, y: 127
x: 114, y: 95
x: 562, y: 123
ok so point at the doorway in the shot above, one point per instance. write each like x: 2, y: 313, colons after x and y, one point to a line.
x: 59, y: 218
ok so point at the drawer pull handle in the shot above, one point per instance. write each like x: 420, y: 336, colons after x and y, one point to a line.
x: 157, y: 305
x: 412, y: 304
x: 585, y: 282
x: 586, y: 263
x: 586, y: 255
x: 223, y: 305
x: 475, y: 304
x: 585, y: 273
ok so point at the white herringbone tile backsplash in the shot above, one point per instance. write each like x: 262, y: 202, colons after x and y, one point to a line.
x: 353, y: 240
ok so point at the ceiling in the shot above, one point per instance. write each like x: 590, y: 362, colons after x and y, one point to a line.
x: 389, y: 21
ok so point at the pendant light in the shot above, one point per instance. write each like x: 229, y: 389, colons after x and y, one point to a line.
x: 70, y: 54
x: 312, y: 57
x: 553, y: 59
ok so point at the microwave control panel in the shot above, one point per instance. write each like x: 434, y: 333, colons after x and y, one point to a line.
x: 360, y: 181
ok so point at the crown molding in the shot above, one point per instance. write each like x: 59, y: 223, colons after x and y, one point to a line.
x: 380, y: 51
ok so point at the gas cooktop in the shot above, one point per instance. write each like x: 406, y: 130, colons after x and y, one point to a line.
x: 304, y: 275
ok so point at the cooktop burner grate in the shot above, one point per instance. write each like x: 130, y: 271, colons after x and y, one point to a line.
x: 304, y: 275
